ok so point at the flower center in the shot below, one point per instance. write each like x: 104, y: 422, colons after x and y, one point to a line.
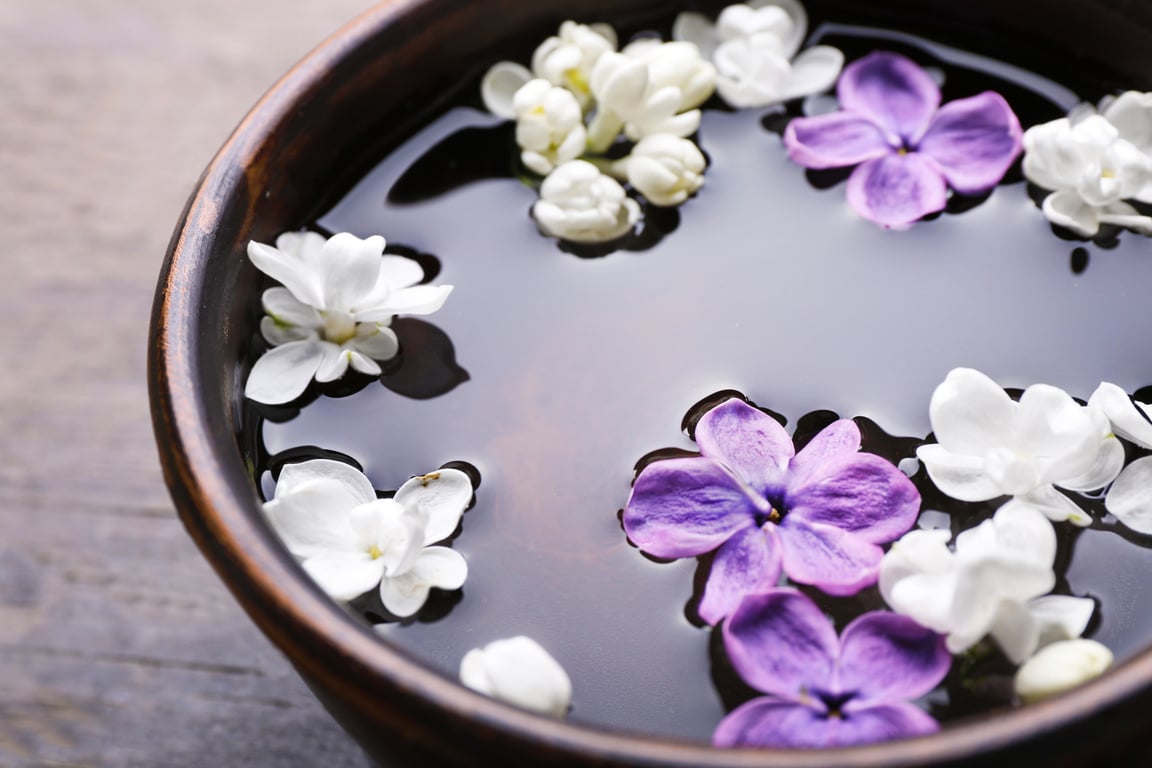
x: 375, y: 552
x: 339, y: 326
x: 774, y: 515
x: 577, y: 81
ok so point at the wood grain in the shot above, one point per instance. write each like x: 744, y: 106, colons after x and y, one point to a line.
x: 119, y: 648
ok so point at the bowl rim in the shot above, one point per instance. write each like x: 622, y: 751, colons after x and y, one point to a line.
x: 223, y: 518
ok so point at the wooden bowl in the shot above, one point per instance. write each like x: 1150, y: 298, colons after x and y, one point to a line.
x: 310, y: 136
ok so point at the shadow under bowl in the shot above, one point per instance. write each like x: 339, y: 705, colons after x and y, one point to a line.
x: 305, y: 141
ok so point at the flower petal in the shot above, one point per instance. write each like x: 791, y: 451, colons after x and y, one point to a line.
x: 856, y: 492
x: 286, y: 309
x: 376, y: 342
x: 891, y: 91
x: 519, y: 671
x: 1025, y: 532
x: 769, y: 722
x: 1131, y: 113
x: 1129, y: 418
x: 747, y: 563
x: 1109, y: 462
x: 1130, y: 497
x: 1060, y: 667
x: 500, y: 84
x: 918, y: 577
x: 1015, y: 631
x: 1055, y: 506
x: 441, y: 567
x: 405, y: 594
x: 294, y: 273
x: 780, y: 643
x: 747, y: 441
x: 686, y: 507
x: 814, y: 71
x: 312, y: 519
x: 357, y: 487
x: 872, y: 723
x: 970, y: 413
x: 896, y: 190
x: 958, y: 475
x: 282, y: 373
x: 1061, y: 617
x: 442, y: 495
x: 835, y: 561
x: 974, y: 141
x: 888, y: 657
x: 1066, y: 209
x: 698, y: 29
x: 417, y: 300
x: 334, y: 362
x: 834, y: 140
x: 344, y: 577
x: 840, y: 437
x: 351, y: 268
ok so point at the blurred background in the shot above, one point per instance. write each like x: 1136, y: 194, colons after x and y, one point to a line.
x: 119, y: 648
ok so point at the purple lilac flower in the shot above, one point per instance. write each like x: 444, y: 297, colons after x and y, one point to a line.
x: 907, y: 147
x: 823, y: 691
x: 818, y: 515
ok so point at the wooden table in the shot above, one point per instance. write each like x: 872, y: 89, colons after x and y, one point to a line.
x: 119, y: 648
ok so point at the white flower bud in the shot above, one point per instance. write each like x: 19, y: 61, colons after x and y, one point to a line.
x: 549, y: 125
x: 519, y: 671
x: 1059, y: 667
x: 567, y: 58
x: 579, y: 203
x: 665, y: 169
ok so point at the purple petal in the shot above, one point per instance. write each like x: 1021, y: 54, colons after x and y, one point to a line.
x: 747, y: 563
x: 838, y: 438
x: 835, y: 140
x: 891, y: 91
x: 872, y: 723
x: 835, y: 561
x: 770, y: 722
x: 886, y: 657
x: 749, y: 442
x: 780, y: 643
x: 896, y: 190
x: 974, y: 141
x: 686, y: 507
x: 858, y: 492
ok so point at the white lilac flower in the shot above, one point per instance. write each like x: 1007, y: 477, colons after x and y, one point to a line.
x: 579, y: 203
x: 754, y: 48
x: 989, y: 445
x: 665, y: 169
x: 994, y: 582
x: 1130, y: 497
x: 334, y: 310
x: 1094, y: 162
x: 1060, y: 667
x: 349, y: 541
x: 655, y: 89
x: 549, y: 125
x: 519, y: 671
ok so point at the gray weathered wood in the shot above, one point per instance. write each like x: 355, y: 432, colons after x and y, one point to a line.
x: 118, y: 646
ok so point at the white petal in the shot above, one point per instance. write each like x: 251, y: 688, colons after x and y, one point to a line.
x: 799, y: 17
x: 282, y: 373
x: 288, y: 310
x: 362, y: 363
x: 278, y: 335
x: 500, y: 84
x: 1129, y: 419
x: 1015, y: 631
x: 520, y: 672
x: 1131, y: 113
x: 917, y: 578
x: 1026, y: 533
x: 1122, y: 214
x: 334, y: 362
x: 970, y: 413
x: 1060, y: 667
x: 1109, y: 462
x: 357, y: 487
x: 1055, y: 506
x: 396, y: 272
x: 351, y: 269
x: 698, y: 29
x: 1061, y: 617
x: 1066, y: 209
x: 417, y: 300
x: 377, y: 342
x: 344, y: 577
x: 441, y: 567
x: 396, y: 534
x: 442, y: 495
x: 405, y: 594
x: 815, y: 70
x: 957, y: 475
x: 1130, y: 497
x: 289, y: 270
x: 312, y: 520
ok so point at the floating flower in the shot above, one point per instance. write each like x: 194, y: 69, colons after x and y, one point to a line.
x: 549, y: 126
x: 1061, y: 667
x: 819, y: 514
x: 349, y: 541
x: 989, y: 445
x: 579, y: 203
x: 1130, y: 497
x: 909, y: 150
x: 338, y: 299
x: 823, y: 691
x: 754, y: 48
x: 519, y: 671
x: 665, y: 169
x: 1093, y: 163
x: 991, y: 584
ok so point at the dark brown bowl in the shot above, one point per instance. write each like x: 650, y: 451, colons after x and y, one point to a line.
x: 309, y: 134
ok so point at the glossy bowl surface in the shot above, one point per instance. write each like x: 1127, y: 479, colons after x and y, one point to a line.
x: 309, y: 135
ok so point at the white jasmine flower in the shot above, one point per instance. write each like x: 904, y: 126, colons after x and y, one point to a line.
x: 579, y: 203
x: 987, y: 585
x: 665, y: 169
x: 989, y: 445
x: 1091, y: 169
x: 567, y: 58
x: 675, y: 65
x: 1060, y: 667
x: 1130, y: 497
x: 549, y: 125
x: 754, y: 48
x: 519, y: 671
x: 327, y: 514
x: 334, y: 311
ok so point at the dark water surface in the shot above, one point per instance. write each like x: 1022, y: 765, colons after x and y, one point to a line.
x: 578, y: 367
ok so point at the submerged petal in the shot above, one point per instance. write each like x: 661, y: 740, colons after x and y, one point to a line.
x: 891, y: 91
x: 897, y: 189
x: 747, y: 563
x: 834, y: 140
x: 747, y: 441
x: 836, y: 561
x: 974, y: 141
x: 686, y: 507
x: 888, y: 657
x: 282, y: 373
